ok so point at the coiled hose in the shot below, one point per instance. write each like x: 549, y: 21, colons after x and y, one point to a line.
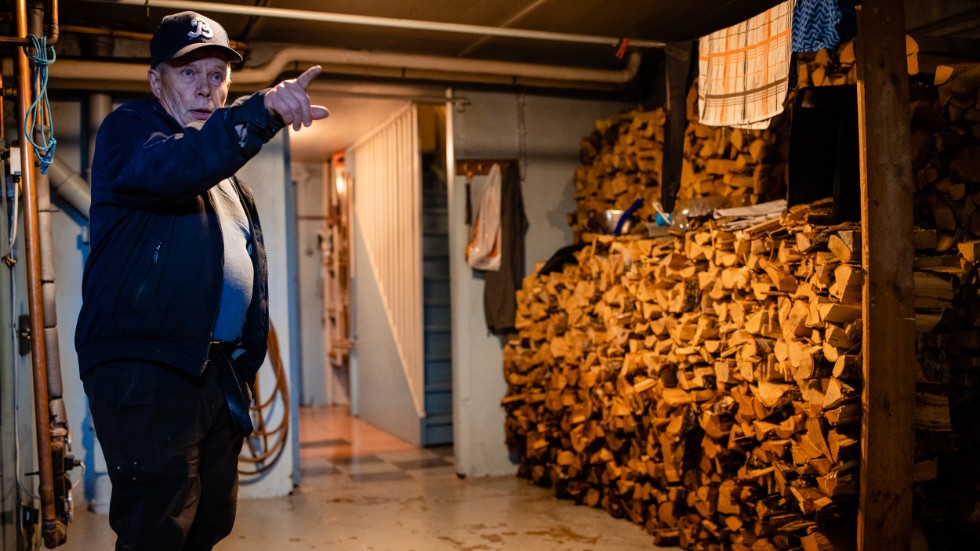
x: 258, y: 455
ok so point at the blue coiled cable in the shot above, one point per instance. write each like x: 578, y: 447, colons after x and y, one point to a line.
x: 38, y: 118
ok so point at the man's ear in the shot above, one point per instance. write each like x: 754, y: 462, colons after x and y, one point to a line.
x: 153, y: 77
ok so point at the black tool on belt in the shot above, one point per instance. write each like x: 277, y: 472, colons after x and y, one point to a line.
x: 238, y: 393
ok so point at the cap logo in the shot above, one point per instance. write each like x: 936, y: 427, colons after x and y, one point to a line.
x: 200, y: 28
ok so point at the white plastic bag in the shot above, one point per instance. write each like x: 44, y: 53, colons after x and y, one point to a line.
x: 483, y: 249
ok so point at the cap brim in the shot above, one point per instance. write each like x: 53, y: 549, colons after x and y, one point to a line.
x: 229, y: 54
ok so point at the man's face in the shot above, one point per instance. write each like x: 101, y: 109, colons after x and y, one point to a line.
x: 191, y: 88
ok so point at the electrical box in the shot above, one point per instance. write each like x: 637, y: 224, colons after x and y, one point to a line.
x: 15, y: 169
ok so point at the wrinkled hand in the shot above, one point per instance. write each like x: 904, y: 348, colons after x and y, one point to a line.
x: 290, y: 101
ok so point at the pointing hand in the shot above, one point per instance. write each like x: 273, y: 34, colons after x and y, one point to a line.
x: 290, y: 101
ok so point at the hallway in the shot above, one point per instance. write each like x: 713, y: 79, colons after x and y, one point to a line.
x: 363, y: 489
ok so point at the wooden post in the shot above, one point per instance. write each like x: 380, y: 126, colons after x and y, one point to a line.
x: 888, y: 426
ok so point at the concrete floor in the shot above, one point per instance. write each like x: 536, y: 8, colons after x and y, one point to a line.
x: 364, y: 490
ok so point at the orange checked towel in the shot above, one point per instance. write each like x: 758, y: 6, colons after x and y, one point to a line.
x: 744, y: 70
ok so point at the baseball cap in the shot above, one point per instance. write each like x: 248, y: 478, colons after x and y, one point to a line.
x: 182, y: 33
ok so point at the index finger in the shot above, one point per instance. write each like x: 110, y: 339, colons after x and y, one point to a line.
x: 308, y: 76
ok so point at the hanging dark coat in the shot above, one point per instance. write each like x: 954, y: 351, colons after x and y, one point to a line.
x: 499, y: 294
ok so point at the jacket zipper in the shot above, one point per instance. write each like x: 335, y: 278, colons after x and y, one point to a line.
x: 156, y: 257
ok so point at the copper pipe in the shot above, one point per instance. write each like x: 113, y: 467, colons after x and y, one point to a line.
x: 112, y: 33
x: 51, y: 39
x: 55, y: 30
x: 52, y: 529
x: 61, y: 459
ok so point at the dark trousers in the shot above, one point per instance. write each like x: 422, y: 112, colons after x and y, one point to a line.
x: 172, y: 455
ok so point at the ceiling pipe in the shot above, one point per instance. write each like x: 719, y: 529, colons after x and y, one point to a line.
x: 373, y: 21
x: 130, y: 35
x: 105, y: 75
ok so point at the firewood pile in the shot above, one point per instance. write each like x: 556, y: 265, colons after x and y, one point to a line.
x: 836, y: 67
x: 739, y: 166
x: 706, y: 385
x: 622, y: 158
x: 621, y: 161
x: 828, y: 67
x: 946, y: 164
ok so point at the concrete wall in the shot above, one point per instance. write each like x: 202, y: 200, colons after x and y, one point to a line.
x: 308, y: 179
x: 545, y: 131
x: 268, y: 176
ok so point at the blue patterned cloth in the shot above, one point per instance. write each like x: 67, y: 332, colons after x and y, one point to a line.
x: 819, y: 24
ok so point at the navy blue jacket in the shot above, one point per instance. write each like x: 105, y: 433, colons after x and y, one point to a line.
x: 152, y: 282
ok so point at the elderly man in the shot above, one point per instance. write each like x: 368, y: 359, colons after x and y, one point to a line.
x: 174, y: 320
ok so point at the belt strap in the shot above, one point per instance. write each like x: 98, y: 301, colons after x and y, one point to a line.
x: 237, y: 392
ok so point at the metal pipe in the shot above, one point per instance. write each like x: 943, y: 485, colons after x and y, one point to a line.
x: 48, y: 289
x: 103, y: 75
x: 99, y: 104
x: 99, y: 107
x: 50, y: 40
x: 373, y: 21
x: 49, y: 303
x: 364, y: 63
x: 57, y: 419
x: 70, y: 186
x: 55, y: 29
x: 131, y: 35
x: 52, y: 529
x: 57, y: 412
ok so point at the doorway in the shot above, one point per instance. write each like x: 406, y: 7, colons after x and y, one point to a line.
x: 338, y: 426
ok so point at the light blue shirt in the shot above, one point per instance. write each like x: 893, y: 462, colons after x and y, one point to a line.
x: 236, y: 291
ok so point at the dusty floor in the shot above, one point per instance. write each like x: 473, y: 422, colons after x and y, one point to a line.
x: 365, y: 490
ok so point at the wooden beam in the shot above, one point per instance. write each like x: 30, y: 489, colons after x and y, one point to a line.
x: 888, y: 423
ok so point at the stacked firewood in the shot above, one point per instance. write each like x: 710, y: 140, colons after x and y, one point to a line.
x: 836, y: 67
x: 621, y: 162
x: 734, y: 166
x: 827, y: 67
x: 705, y: 386
x: 946, y: 164
x: 946, y: 146
x: 622, y: 158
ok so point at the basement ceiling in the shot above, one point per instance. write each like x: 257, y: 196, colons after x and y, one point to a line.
x: 591, y: 33
x: 630, y: 19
